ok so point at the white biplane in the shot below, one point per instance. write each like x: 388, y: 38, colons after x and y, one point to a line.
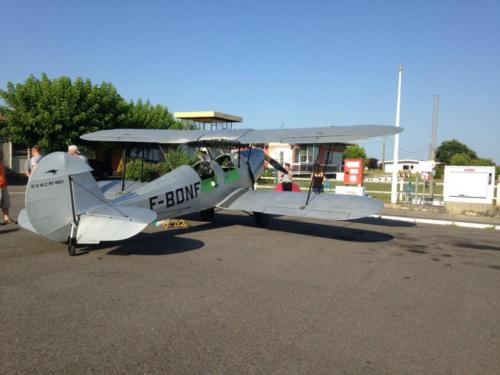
x: 65, y: 203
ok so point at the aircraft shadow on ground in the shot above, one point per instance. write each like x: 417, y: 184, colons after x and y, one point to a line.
x: 158, y: 243
x: 167, y: 242
x: 383, y: 222
x: 334, y: 232
x: 8, y: 231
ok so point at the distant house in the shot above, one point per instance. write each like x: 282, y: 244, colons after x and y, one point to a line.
x: 303, y: 157
x: 408, y: 165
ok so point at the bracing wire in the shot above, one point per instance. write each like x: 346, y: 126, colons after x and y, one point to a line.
x: 100, y: 199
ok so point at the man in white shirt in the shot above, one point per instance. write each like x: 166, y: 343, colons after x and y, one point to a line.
x: 31, y: 163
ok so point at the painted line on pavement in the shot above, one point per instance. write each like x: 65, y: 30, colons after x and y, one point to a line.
x: 438, y: 222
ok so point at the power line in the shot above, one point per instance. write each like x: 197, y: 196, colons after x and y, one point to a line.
x: 409, y: 151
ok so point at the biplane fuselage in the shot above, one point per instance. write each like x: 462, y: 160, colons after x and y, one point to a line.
x: 194, y: 189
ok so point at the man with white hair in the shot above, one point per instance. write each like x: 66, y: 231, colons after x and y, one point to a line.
x: 74, y: 151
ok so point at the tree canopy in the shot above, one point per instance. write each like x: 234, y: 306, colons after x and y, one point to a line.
x: 456, y: 153
x: 145, y: 115
x: 447, y: 149
x: 54, y: 113
x: 354, y: 151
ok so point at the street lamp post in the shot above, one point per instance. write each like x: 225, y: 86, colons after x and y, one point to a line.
x: 394, y: 193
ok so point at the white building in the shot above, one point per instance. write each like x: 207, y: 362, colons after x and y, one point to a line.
x: 302, y: 158
x: 14, y: 156
x: 409, y: 165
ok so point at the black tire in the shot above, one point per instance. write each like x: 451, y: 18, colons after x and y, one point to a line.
x: 261, y: 219
x: 71, y: 247
x: 207, y: 215
x: 71, y: 250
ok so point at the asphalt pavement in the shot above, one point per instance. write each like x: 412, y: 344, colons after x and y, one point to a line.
x: 299, y: 297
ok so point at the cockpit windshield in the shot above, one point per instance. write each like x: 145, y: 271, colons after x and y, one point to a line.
x: 226, y: 162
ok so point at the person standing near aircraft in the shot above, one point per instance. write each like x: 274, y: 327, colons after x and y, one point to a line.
x: 318, y: 179
x: 286, y: 178
x: 74, y: 151
x: 31, y: 163
x: 4, y: 194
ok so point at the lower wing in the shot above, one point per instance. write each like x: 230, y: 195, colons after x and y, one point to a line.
x: 320, y: 206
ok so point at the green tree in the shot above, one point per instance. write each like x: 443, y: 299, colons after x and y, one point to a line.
x: 447, y: 149
x: 174, y: 158
x: 460, y: 159
x: 54, y: 113
x: 354, y: 151
x: 147, y: 116
x: 482, y: 162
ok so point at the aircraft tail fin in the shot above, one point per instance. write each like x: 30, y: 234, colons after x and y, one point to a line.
x: 62, y: 194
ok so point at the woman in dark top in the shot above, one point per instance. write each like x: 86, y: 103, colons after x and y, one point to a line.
x: 318, y: 179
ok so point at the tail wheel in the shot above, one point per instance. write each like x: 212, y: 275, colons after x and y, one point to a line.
x: 207, y: 215
x: 261, y: 219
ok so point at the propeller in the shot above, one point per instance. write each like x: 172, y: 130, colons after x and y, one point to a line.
x: 275, y: 164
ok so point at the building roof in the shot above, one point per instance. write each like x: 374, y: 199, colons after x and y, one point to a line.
x: 209, y: 117
x: 400, y: 161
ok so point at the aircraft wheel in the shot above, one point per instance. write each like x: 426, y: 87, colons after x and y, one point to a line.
x: 207, y: 215
x: 261, y: 219
x: 71, y: 248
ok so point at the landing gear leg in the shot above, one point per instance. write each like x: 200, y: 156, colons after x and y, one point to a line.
x: 207, y: 215
x: 261, y: 219
x: 72, y: 242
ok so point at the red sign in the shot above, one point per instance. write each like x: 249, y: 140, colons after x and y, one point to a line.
x: 353, y: 171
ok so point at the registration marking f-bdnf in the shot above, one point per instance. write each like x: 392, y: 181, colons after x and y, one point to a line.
x: 175, y: 197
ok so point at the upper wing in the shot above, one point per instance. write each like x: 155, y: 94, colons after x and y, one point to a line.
x: 320, y: 206
x: 328, y: 134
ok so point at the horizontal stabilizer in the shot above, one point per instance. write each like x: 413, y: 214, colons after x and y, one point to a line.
x: 320, y: 206
x: 111, y: 223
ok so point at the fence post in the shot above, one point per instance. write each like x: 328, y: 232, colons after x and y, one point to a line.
x: 401, y: 189
x: 498, y: 193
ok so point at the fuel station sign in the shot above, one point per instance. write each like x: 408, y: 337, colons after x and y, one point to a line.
x: 353, y: 171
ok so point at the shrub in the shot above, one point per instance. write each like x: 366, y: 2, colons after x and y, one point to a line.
x: 151, y: 171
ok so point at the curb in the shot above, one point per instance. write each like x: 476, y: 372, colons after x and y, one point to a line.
x: 462, y: 224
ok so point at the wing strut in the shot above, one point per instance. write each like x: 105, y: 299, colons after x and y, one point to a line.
x: 142, y: 162
x: 124, y: 161
x: 250, y: 172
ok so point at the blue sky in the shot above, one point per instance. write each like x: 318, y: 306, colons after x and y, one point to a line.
x: 296, y: 63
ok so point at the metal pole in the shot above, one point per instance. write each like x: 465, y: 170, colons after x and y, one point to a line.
x: 435, y: 113
x: 383, y: 154
x: 394, y: 193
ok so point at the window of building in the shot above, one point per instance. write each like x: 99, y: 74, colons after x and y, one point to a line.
x: 306, y: 154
